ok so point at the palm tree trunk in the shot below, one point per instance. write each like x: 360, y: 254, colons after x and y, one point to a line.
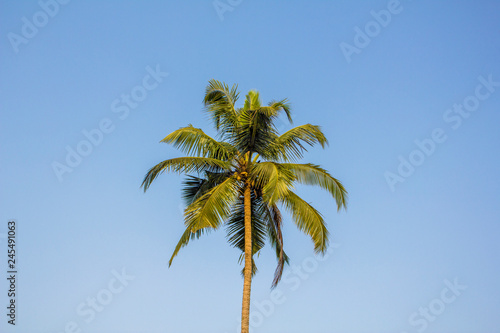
x: 247, y: 273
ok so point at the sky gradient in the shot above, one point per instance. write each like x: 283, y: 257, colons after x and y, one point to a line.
x: 407, y: 93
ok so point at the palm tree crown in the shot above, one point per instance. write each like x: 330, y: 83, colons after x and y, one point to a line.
x: 241, y: 179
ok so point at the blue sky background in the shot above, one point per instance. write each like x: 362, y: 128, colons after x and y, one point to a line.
x: 394, y: 249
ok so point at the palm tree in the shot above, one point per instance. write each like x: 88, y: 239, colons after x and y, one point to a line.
x: 240, y: 180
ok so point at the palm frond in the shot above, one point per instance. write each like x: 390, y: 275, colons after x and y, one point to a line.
x: 185, y: 238
x: 193, y: 141
x: 214, y: 207
x: 283, y: 105
x: 256, y: 123
x: 236, y: 225
x: 194, y: 187
x: 273, y: 179
x: 220, y: 102
x: 252, y: 100
x: 290, y: 145
x: 184, y: 165
x: 254, y: 131
x: 311, y: 174
x: 275, y: 235
x: 307, y: 219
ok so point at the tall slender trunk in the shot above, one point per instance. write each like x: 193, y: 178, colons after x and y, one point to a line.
x: 247, y: 273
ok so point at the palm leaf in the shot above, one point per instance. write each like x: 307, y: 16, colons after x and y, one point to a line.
x: 214, y: 207
x: 236, y: 225
x: 208, y: 211
x: 252, y: 100
x: 193, y: 141
x: 194, y: 187
x: 256, y: 123
x: 220, y: 102
x: 273, y: 179
x: 290, y: 145
x: 284, y: 106
x: 184, y: 165
x: 185, y: 238
x: 308, y: 220
x: 311, y: 174
x: 275, y: 235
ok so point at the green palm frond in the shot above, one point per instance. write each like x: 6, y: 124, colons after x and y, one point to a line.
x: 273, y: 179
x: 252, y: 101
x: 272, y: 111
x: 220, y: 102
x: 208, y: 211
x: 185, y: 238
x: 311, y: 174
x: 275, y: 235
x: 193, y: 141
x: 256, y: 124
x: 212, y: 208
x: 283, y: 105
x: 185, y: 165
x: 290, y: 145
x: 194, y: 187
x: 236, y: 225
x: 308, y: 220
x: 254, y: 131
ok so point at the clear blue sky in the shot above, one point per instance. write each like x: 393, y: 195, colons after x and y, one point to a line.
x: 417, y: 249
